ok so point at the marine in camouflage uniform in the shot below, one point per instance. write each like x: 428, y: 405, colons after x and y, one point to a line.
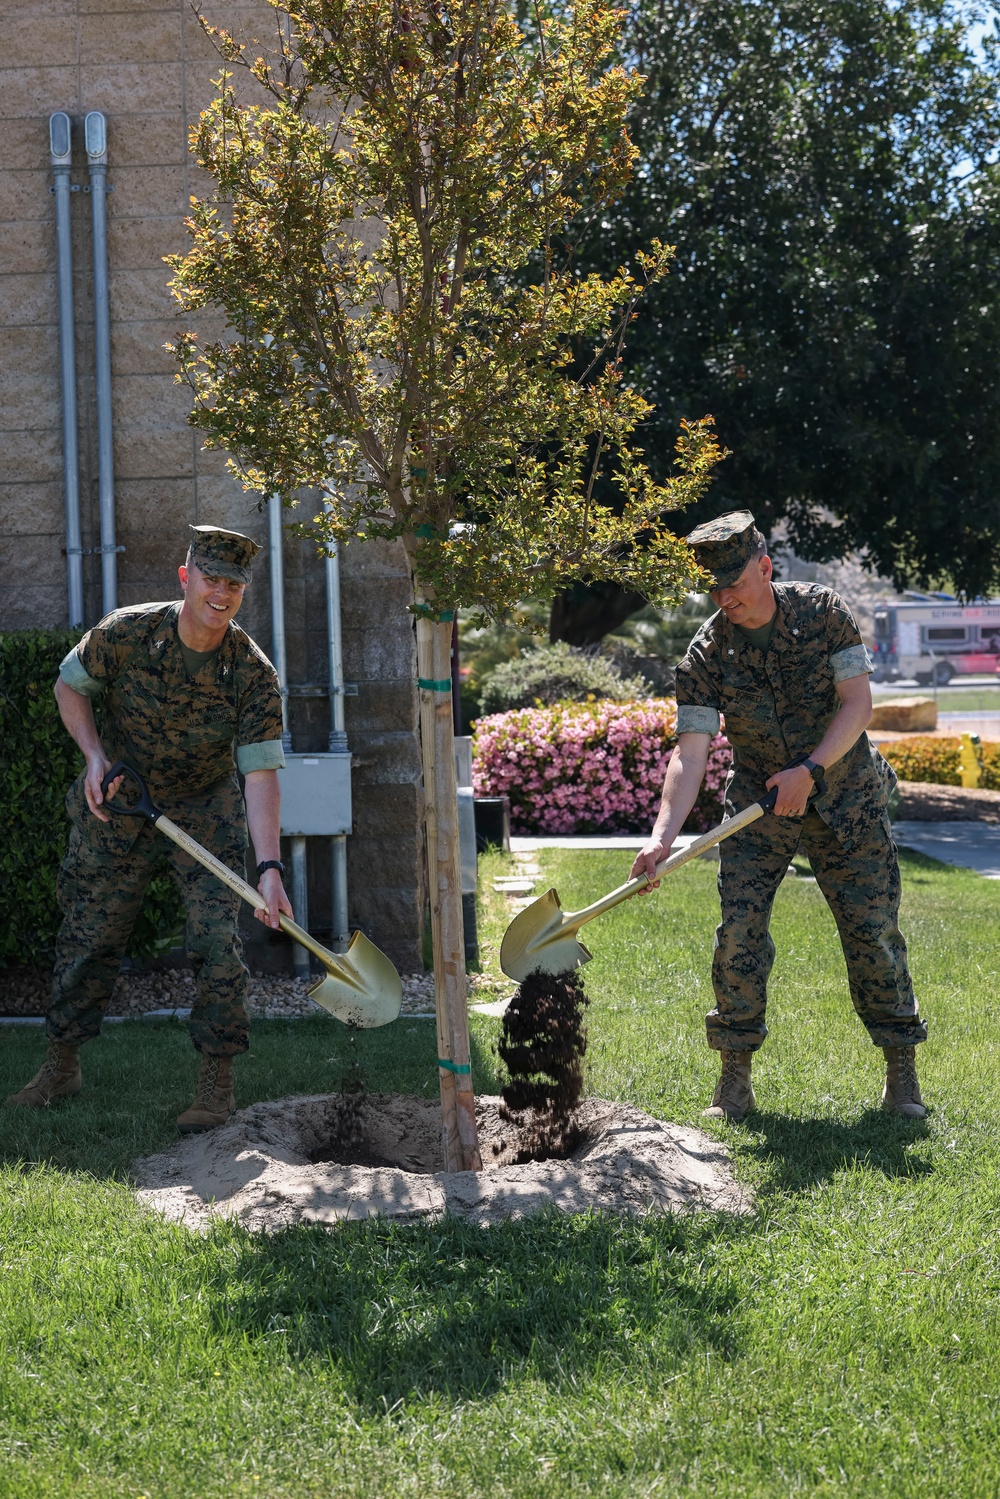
x: 178, y: 716
x: 777, y: 689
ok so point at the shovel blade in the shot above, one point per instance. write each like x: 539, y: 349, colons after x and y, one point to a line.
x: 541, y: 937
x: 361, y: 986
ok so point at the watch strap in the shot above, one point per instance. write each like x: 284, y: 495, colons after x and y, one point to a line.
x: 270, y: 864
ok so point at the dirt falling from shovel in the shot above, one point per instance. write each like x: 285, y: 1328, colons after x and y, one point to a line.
x: 543, y: 1041
x: 345, y: 1130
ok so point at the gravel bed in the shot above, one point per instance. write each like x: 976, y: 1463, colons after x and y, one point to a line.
x: 25, y: 991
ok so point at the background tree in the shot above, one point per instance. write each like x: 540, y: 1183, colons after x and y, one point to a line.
x: 824, y: 169
x: 372, y: 207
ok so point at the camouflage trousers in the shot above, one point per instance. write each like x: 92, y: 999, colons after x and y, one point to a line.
x: 100, y: 893
x: 862, y: 889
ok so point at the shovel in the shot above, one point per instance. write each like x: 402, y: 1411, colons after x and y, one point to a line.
x: 543, y: 935
x: 361, y: 987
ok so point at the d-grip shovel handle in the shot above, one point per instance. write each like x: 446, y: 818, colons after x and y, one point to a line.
x: 144, y: 807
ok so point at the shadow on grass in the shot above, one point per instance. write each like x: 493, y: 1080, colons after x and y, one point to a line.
x: 405, y: 1311
x: 803, y: 1152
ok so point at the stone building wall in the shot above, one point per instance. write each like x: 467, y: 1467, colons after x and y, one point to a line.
x: 148, y: 65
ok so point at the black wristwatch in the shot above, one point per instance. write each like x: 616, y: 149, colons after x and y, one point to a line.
x: 816, y: 771
x: 271, y: 864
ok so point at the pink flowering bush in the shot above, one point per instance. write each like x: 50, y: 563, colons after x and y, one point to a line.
x: 592, y: 767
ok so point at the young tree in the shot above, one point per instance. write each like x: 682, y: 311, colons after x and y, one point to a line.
x: 372, y: 209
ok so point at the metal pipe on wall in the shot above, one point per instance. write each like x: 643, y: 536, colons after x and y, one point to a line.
x: 279, y: 654
x: 341, y: 933
x: 96, y: 140
x: 300, y: 903
x: 60, y: 155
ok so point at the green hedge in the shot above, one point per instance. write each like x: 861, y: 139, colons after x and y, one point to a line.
x: 38, y: 761
x: 556, y: 673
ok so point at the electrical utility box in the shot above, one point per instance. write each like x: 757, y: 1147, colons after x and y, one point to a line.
x: 315, y: 795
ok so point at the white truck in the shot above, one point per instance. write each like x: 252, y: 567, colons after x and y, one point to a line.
x: 933, y: 640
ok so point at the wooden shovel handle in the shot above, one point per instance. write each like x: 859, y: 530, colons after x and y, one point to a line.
x: 190, y: 846
x: 146, y: 807
x: 666, y: 866
x: 249, y: 894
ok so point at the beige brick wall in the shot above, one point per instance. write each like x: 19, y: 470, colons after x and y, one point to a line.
x: 148, y: 65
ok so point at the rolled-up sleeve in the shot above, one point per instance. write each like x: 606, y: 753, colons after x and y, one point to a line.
x: 75, y: 675
x: 268, y: 754
x: 852, y: 662
x: 692, y: 719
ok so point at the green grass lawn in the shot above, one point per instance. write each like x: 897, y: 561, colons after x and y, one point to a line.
x: 949, y: 699
x: 842, y: 1340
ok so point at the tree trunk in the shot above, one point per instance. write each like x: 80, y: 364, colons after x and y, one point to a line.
x: 437, y: 742
x: 584, y: 613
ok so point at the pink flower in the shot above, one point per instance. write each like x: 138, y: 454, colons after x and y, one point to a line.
x: 588, y: 767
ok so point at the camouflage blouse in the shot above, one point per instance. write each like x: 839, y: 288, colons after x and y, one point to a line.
x: 777, y: 704
x: 180, y: 732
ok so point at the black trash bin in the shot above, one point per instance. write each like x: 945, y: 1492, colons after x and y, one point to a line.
x: 492, y: 823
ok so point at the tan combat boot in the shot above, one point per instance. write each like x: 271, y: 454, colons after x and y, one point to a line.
x: 734, y: 1090
x: 58, y: 1077
x: 213, y: 1097
x: 901, y: 1094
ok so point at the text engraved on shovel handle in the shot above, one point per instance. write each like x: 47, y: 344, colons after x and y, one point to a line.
x: 202, y: 855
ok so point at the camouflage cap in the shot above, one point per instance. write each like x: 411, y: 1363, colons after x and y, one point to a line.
x: 224, y: 554
x: 724, y: 546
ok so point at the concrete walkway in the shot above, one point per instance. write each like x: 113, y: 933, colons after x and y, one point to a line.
x: 527, y: 845
x: 970, y: 845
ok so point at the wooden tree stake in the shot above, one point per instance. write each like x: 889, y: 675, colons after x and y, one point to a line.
x: 437, y: 741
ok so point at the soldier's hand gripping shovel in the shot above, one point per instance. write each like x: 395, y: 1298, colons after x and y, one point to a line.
x: 543, y: 935
x: 361, y: 986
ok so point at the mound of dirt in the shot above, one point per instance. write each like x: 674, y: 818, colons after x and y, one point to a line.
x: 293, y: 1161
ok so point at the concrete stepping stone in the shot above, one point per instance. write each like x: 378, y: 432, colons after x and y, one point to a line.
x: 496, y: 1007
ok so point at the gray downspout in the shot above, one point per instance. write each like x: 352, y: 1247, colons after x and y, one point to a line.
x: 96, y: 138
x: 279, y: 655
x: 278, y: 652
x: 61, y: 152
x: 340, y: 935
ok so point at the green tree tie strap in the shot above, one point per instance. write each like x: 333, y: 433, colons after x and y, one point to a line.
x: 427, y: 611
x: 447, y: 1066
x: 429, y: 684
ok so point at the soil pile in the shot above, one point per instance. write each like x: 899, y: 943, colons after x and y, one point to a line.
x: 271, y: 1165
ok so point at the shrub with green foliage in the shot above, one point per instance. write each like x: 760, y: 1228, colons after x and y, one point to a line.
x: 557, y: 673
x: 932, y: 760
x: 938, y: 761
x: 38, y: 762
